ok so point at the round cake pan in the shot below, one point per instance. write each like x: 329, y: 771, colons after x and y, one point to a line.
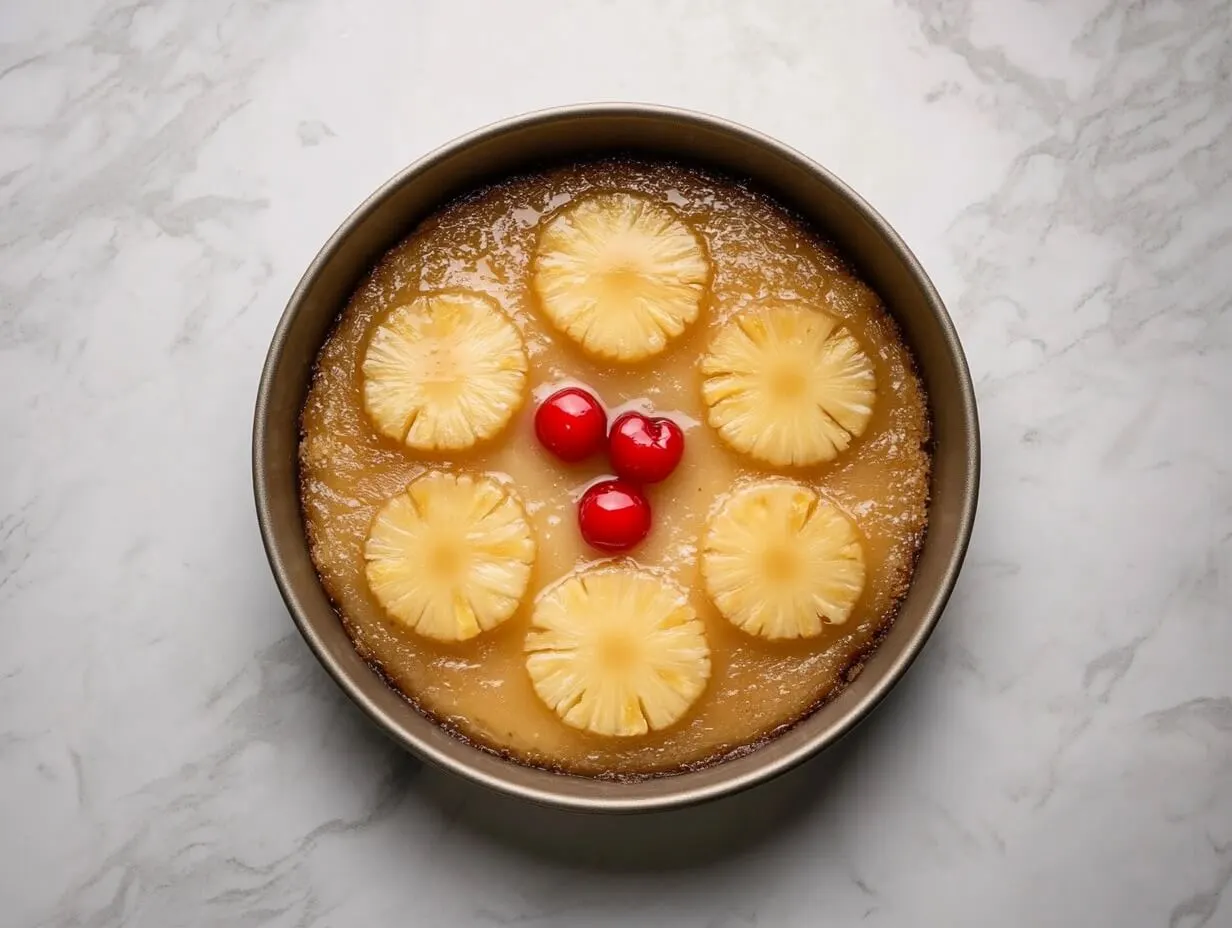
x: 574, y: 133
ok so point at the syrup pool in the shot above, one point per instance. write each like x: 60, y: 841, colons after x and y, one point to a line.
x: 480, y: 688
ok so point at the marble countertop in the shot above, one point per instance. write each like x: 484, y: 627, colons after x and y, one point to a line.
x: 170, y: 752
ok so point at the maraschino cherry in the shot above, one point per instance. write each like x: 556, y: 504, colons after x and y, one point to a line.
x: 571, y: 423
x: 613, y: 516
x: 643, y: 449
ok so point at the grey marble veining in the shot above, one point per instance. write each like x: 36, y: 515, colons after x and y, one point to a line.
x: 171, y: 755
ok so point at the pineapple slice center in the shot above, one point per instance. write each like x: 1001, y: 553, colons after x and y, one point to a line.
x: 444, y: 377
x: 618, y: 653
x: 623, y: 271
x: 623, y: 279
x: 441, y: 365
x: 782, y: 565
x: 788, y: 383
x: 448, y: 560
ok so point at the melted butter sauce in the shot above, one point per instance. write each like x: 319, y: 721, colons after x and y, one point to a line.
x: 480, y: 688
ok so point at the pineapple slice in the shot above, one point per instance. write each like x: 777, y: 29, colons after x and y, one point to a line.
x: 444, y: 372
x: 617, y: 651
x: 620, y: 275
x: 450, y: 556
x: 779, y: 561
x: 787, y: 385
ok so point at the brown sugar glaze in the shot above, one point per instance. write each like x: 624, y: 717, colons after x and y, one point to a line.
x: 480, y: 688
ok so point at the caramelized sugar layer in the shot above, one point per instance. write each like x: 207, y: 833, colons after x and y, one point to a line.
x: 480, y: 688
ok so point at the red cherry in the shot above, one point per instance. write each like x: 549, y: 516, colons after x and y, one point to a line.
x: 643, y: 449
x: 613, y: 516
x: 571, y: 424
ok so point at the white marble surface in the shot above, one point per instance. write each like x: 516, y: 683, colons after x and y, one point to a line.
x: 170, y: 753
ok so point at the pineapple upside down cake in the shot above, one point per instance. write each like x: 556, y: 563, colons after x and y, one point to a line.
x: 617, y: 469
